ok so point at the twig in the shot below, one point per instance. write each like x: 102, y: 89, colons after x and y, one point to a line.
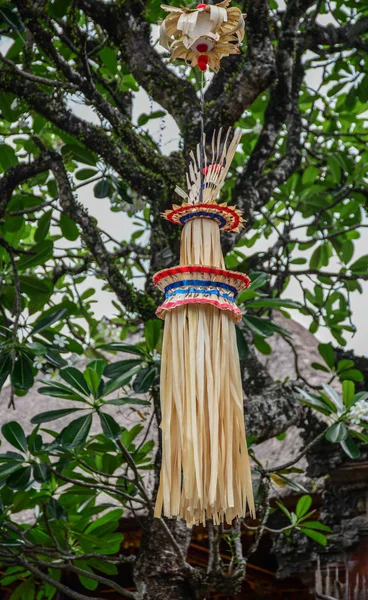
x: 266, y: 512
x: 102, y: 487
x: 73, y: 569
x: 299, y: 456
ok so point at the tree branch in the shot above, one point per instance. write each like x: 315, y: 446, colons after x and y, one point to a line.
x: 127, y: 27
x: 134, y: 300
x: 348, y: 36
x: 17, y: 175
x: 94, y: 137
x: 240, y: 82
x: 120, y: 123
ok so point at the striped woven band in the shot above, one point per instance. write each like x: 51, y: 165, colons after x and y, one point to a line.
x: 196, y: 284
x: 228, y: 217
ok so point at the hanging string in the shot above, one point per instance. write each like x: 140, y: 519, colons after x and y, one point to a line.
x: 201, y: 145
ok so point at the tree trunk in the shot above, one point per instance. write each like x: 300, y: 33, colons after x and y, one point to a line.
x: 159, y: 573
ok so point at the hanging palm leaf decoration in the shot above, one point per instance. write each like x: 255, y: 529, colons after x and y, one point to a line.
x: 202, y: 36
x: 205, y: 466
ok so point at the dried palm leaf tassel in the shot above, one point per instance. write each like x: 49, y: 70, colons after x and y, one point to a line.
x: 205, y: 466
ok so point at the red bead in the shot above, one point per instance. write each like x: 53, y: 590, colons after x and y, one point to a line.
x: 204, y: 59
x: 201, y: 6
x: 202, y: 66
x: 202, y: 47
x: 214, y: 167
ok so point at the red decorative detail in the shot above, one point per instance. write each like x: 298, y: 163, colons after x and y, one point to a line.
x: 200, y: 269
x: 216, y: 207
x: 202, y: 59
x: 214, y: 167
x: 201, y: 6
x: 202, y: 48
x: 221, y: 305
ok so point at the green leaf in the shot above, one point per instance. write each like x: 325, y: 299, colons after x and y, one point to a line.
x: 327, y: 353
x: 316, y: 525
x: 319, y: 367
x: 80, y: 154
x: 115, y: 384
x: 92, y: 380
x: 243, y: 348
x: 98, y: 365
x: 7, y: 469
x: 152, y: 333
x: 333, y: 395
x: 6, y: 365
x: 39, y: 255
x: 103, y: 566
x: 144, y: 380
x: 315, y: 535
x: 59, y: 390
x: 76, y: 433
x: 33, y: 286
x: 68, y: 228
x: 113, y: 515
x: 43, y: 226
x: 143, y: 118
x: 115, y: 370
x: 8, y: 157
x: 56, y: 510
x: 59, y: 9
x: 129, y: 83
x: 284, y: 509
x: 25, y: 591
x: 14, y: 434
x: 348, y: 391
x: 272, y: 303
x: 335, y: 168
x: 11, y: 457
x: 360, y: 396
x: 350, y: 448
x: 22, y: 375
x: 344, y: 365
x: 360, y: 266
x: 127, y: 401
x: 52, y: 415
x: 261, y: 327
x: 262, y: 346
x: 316, y: 261
x: 304, y: 504
x: 310, y: 175
x: 89, y: 584
x: 336, y: 433
x: 19, y: 479
x: 360, y: 436
x: 84, y: 174
x: 316, y: 402
x: 41, y: 473
x: 102, y: 188
x: 109, y: 426
x: 352, y: 375
x: 128, y: 348
x: 75, y: 378
x: 45, y: 322
x: 109, y: 59
x: 258, y: 280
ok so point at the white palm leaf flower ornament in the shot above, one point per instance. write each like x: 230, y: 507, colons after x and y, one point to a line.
x: 204, y: 35
x: 205, y: 469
